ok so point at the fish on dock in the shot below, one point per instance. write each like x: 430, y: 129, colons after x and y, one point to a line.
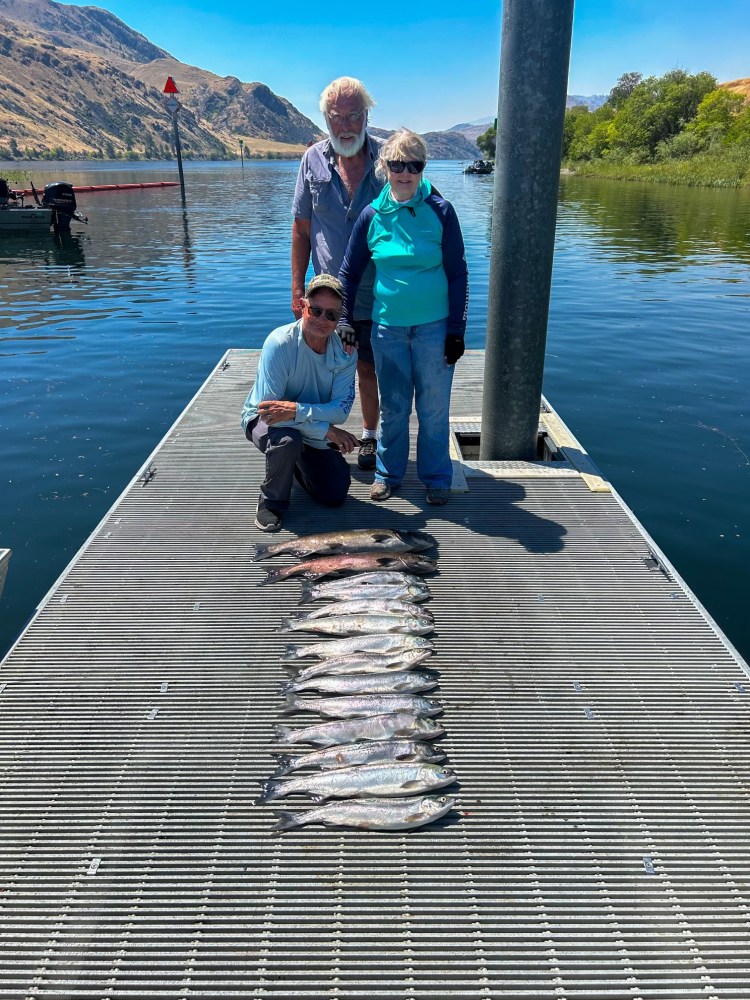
x: 314, y: 569
x: 393, y: 682
x: 348, y: 542
x: 354, y: 706
x: 362, y: 606
x: 363, y: 663
x: 355, y: 588
x: 360, y: 624
x: 371, y: 814
x: 371, y: 728
x: 390, y: 779
x: 335, y: 757
x: 378, y: 643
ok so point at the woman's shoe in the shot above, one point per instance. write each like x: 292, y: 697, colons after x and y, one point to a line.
x: 437, y: 496
x: 380, y: 491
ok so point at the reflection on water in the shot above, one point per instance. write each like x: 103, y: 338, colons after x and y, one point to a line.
x: 661, y: 226
x: 107, y: 332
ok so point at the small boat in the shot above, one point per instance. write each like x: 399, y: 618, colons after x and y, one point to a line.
x: 55, y: 210
x: 480, y: 167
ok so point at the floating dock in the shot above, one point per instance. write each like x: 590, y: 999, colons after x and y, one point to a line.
x: 597, y: 718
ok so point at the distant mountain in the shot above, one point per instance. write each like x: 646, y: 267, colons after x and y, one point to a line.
x: 473, y: 129
x: 441, y: 145
x: 77, y: 80
x: 592, y: 102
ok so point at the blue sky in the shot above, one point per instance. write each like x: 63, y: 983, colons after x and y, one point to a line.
x: 432, y: 65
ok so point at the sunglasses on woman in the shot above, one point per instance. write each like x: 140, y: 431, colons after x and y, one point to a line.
x: 332, y: 315
x: 398, y: 166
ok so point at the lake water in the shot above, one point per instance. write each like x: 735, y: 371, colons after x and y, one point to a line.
x: 106, y: 335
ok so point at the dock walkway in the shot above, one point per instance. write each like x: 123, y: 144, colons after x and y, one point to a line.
x: 597, y: 719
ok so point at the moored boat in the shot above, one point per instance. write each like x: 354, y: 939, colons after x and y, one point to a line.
x: 55, y: 210
x: 479, y: 167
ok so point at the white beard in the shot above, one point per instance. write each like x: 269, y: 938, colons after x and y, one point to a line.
x: 349, y: 147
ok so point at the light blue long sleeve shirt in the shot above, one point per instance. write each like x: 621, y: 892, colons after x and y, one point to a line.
x: 322, y: 385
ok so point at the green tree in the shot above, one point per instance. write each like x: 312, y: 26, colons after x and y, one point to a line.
x: 715, y: 115
x: 487, y: 143
x: 739, y: 131
x: 588, y: 131
x: 657, y: 109
x: 623, y: 89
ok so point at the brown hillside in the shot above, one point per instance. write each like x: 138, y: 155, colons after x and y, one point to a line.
x: 78, y: 80
x: 739, y: 86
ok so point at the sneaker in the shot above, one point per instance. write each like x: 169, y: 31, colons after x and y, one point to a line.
x: 380, y: 491
x: 366, y: 457
x: 437, y: 496
x: 267, y: 519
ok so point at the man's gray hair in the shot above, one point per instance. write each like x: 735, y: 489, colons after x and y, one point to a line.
x: 348, y: 86
x: 402, y: 145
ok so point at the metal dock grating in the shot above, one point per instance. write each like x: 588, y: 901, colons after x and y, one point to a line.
x: 597, y: 720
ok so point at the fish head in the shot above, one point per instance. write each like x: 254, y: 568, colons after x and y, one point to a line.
x: 419, y: 563
x: 418, y: 540
x: 437, y: 805
x: 439, y: 771
x: 430, y: 728
x: 413, y: 656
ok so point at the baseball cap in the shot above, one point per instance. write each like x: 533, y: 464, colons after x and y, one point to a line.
x: 325, y: 281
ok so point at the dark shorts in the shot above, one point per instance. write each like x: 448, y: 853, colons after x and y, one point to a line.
x: 363, y: 329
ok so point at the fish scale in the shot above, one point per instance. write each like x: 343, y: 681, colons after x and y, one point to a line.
x: 348, y: 542
x: 359, y: 624
x: 371, y: 814
x: 390, y: 779
x: 332, y: 758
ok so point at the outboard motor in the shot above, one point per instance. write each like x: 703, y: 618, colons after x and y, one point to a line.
x: 61, y: 198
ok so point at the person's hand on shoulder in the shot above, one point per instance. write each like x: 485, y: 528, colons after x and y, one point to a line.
x: 348, y: 336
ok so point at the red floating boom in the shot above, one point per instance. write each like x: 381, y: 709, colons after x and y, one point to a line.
x: 114, y: 187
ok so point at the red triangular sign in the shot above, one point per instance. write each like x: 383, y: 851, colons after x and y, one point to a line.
x: 170, y: 87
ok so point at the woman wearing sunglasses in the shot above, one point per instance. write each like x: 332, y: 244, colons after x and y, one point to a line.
x: 412, y: 235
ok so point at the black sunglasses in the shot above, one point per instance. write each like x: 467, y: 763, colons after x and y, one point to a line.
x: 332, y: 315
x: 398, y: 166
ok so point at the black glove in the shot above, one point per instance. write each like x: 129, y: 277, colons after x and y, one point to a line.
x: 347, y: 334
x: 454, y: 348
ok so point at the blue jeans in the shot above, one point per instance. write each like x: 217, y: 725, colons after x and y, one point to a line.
x: 410, y: 363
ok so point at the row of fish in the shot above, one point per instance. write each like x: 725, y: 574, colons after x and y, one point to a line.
x: 374, y: 764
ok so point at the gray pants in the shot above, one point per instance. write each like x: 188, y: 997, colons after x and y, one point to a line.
x: 323, y: 472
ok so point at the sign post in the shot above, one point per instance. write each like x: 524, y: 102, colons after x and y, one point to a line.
x: 173, y: 107
x: 242, y: 152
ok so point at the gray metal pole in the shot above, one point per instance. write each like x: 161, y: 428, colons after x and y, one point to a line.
x: 534, y: 59
x: 178, y: 149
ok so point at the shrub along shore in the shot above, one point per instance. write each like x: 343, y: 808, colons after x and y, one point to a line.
x: 674, y: 129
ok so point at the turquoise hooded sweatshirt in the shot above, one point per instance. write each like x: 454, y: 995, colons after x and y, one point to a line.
x: 418, y: 252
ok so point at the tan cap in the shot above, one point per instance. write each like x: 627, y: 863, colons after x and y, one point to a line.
x: 325, y: 281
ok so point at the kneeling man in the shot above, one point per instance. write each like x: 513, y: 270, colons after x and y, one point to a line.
x: 304, y: 387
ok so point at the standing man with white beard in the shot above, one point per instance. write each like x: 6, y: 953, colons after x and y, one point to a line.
x: 336, y: 181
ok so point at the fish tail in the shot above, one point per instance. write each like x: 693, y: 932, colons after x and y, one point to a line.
x: 288, y: 622
x: 261, y: 552
x: 291, y: 652
x: 282, y: 733
x: 288, y: 820
x: 269, y: 791
x: 284, y: 761
x: 285, y: 687
x: 274, y: 575
x: 307, y: 594
x: 292, y: 704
